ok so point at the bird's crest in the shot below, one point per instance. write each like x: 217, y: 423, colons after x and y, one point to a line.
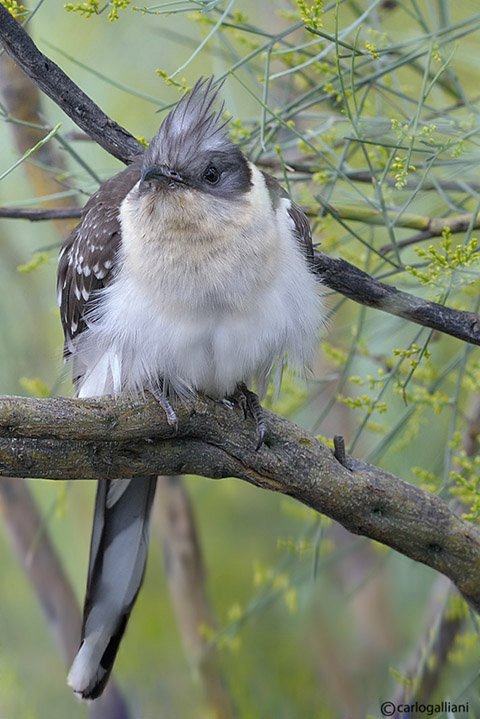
x: 191, y: 127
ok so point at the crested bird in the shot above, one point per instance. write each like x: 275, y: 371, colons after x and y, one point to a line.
x: 189, y: 271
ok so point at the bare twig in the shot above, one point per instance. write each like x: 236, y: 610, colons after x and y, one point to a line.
x: 58, y: 213
x: 309, y: 165
x: 448, y: 185
x: 425, y: 669
x: 434, y: 226
x: 413, y: 240
x: 352, y: 282
x: 59, y: 438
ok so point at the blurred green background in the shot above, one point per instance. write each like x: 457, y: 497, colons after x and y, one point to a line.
x: 313, y: 622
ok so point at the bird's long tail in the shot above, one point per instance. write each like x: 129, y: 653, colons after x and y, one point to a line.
x: 118, y: 555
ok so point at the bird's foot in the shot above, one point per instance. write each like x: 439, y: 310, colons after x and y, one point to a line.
x: 165, y: 404
x: 250, y: 404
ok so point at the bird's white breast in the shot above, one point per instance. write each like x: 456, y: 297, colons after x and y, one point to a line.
x: 200, y: 307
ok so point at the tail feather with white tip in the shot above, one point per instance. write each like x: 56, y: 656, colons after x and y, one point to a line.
x: 118, y: 555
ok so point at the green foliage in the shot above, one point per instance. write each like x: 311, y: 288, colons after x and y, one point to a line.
x: 364, y: 402
x: 465, y: 644
x: 466, y: 478
x: 39, y: 259
x: 86, y: 9
x: 448, y: 267
x: 311, y: 14
x: 92, y: 7
x: 14, y: 8
x: 170, y: 82
x: 400, y: 678
x: 35, y: 386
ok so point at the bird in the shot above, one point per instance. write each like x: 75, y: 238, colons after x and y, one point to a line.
x: 191, y: 271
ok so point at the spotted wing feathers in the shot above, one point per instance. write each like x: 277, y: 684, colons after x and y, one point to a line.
x: 88, y: 256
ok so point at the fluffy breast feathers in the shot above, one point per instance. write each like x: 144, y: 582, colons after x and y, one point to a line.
x: 208, y: 295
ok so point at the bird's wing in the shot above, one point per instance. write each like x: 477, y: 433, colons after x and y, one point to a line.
x: 88, y: 262
x: 303, y: 233
x: 87, y: 259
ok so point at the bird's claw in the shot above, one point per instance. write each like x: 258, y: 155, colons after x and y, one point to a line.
x: 165, y: 404
x: 249, y: 404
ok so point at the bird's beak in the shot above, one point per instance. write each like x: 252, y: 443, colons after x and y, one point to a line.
x: 162, y: 175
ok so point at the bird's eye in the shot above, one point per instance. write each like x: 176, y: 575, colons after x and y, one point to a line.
x: 211, y: 175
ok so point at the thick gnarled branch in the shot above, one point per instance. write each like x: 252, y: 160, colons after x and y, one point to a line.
x: 63, y: 438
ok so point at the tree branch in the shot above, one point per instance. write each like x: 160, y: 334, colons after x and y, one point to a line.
x: 64, y: 438
x: 58, y: 86
x: 442, y: 628
x: 357, y: 285
x: 35, y: 214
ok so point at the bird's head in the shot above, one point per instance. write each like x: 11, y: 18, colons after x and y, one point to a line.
x: 192, y: 152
